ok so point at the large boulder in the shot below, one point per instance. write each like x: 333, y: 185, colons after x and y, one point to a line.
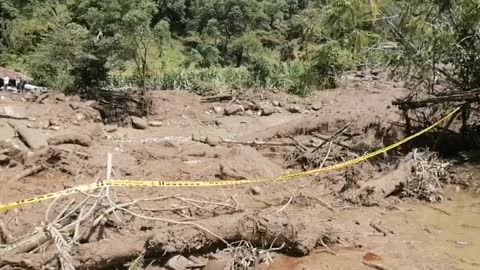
x: 233, y: 109
x: 138, y: 123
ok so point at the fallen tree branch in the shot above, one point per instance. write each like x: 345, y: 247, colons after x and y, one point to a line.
x: 331, y: 138
x: 29, y: 172
x: 462, y: 97
x: 216, y: 98
x: 325, y: 138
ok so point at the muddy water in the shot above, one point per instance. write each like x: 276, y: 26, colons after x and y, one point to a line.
x: 440, y: 236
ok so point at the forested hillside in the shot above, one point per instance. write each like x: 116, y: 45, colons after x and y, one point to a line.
x: 199, y: 45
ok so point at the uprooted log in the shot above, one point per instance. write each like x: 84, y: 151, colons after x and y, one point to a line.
x: 216, y: 98
x: 78, y: 139
x: 468, y: 97
x: 262, y: 229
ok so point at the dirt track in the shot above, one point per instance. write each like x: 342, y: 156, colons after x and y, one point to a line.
x: 334, y: 210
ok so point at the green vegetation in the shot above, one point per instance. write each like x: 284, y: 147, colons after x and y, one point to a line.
x: 205, y: 45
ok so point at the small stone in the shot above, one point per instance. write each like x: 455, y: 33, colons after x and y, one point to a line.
x: 111, y: 128
x: 249, y: 113
x: 80, y: 116
x: 198, y: 138
x: 138, y: 123
x: 178, y: 262
x: 32, y: 119
x: 256, y: 190
x: 155, y: 123
x: 268, y: 111
x: 54, y: 122
x: 55, y: 128
x: 60, y: 97
x: 316, y: 107
x: 276, y: 103
x: 213, y: 141
x: 294, y: 109
x: 217, y: 109
x: 233, y: 109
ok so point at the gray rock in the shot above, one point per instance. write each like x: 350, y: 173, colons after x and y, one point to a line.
x: 138, y: 123
x: 316, y: 107
x: 276, y: 103
x: 268, y: 111
x: 233, y: 109
x: 294, y: 109
x: 155, y: 123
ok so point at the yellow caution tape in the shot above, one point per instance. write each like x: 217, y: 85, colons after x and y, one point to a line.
x: 215, y: 183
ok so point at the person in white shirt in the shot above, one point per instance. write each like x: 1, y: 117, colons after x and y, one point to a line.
x: 6, y: 80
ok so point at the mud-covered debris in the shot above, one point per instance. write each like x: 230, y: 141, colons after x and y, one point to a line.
x: 79, y: 139
x: 256, y: 190
x: 233, y: 109
x: 60, y: 97
x: 217, y: 263
x: 32, y: 138
x: 13, y: 112
x: 111, y: 128
x: 249, y: 113
x: 54, y: 122
x: 4, y: 159
x: 217, y: 109
x: 228, y: 173
x: 138, y: 123
x: 178, y: 263
x: 247, y: 105
x: 153, y: 123
x: 41, y: 98
x: 39, y: 125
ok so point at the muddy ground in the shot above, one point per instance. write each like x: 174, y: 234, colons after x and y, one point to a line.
x: 359, y: 218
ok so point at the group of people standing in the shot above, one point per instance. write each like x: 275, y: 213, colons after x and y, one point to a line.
x: 18, y: 83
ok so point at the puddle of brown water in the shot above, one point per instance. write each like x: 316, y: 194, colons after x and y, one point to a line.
x: 440, y: 236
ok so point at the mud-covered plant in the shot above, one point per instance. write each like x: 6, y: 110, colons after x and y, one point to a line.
x: 428, y: 176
